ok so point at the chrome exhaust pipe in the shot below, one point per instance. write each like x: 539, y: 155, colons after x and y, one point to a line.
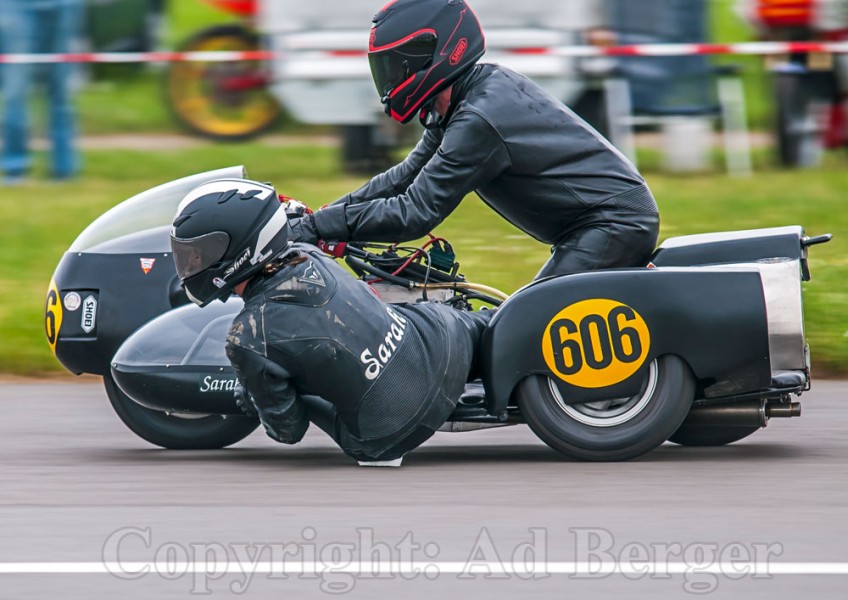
x: 746, y: 413
x: 783, y: 410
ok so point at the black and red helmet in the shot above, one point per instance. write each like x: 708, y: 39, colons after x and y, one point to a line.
x: 418, y: 48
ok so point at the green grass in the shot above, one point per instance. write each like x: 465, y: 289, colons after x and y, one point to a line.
x: 39, y: 220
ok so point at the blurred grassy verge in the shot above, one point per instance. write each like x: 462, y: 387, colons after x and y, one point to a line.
x: 39, y: 220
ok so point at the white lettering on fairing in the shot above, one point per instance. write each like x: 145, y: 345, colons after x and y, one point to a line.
x: 212, y: 384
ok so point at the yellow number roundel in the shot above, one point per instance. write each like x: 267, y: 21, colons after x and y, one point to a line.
x: 52, y: 315
x: 595, y: 343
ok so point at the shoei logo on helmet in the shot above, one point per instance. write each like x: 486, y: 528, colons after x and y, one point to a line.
x: 458, y: 51
x: 595, y: 343
x: 237, y: 264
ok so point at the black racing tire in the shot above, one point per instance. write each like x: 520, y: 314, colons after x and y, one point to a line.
x: 174, y: 432
x: 698, y: 435
x: 195, y: 95
x: 654, y: 415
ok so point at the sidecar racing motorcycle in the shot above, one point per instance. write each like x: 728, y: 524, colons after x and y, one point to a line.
x: 701, y: 347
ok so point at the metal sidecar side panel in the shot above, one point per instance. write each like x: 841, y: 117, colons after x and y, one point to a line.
x: 596, y: 333
x: 731, y: 247
x: 177, y: 362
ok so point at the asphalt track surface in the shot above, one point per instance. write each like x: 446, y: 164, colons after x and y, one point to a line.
x: 76, y: 486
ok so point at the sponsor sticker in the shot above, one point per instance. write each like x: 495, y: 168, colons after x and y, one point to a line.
x: 72, y: 301
x: 458, y: 51
x: 52, y: 315
x: 595, y: 343
x: 89, y: 314
x: 312, y: 275
x: 147, y: 264
x: 237, y: 264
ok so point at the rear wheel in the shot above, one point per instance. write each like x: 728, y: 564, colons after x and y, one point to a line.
x: 695, y: 435
x: 222, y: 100
x: 614, y: 429
x: 175, y: 432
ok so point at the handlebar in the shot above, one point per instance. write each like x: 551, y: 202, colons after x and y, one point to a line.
x: 417, y: 268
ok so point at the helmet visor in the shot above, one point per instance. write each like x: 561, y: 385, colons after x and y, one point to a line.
x: 393, y: 66
x: 194, y: 255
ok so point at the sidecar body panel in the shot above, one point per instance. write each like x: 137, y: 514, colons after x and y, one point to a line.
x: 731, y: 247
x: 595, y: 333
x: 177, y: 362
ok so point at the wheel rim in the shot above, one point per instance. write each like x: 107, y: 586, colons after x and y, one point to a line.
x: 609, y: 413
x: 202, y: 102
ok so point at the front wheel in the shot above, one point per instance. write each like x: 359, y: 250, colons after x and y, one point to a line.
x: 615, y: 429
x: 176, y: 432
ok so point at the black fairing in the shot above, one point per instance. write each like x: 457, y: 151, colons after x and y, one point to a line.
x: 177, y: 362
x: 122, y: 262
x: 715, y: 321
x: 783, y: 242
x: 126, y: 299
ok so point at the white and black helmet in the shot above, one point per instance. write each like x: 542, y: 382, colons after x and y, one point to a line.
x: 224, y: 232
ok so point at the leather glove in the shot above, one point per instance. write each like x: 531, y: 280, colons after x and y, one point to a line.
x: 244, y: 402
x: 303, y: 230
x: 334, y: 249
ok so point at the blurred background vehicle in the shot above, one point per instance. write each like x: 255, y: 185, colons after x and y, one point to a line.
x: 810, y: 89
x: 124, y: 25
x: 224, y: 100
x: 321, y: 75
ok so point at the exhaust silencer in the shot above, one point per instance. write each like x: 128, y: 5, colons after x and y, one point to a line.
x: 746, y: 413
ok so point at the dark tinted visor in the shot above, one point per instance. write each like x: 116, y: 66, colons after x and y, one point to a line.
x: 393, y: 66
x: 198, y: 254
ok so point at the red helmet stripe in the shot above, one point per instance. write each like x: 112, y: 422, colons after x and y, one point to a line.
x: 373, y: 48
x: 398, y: 117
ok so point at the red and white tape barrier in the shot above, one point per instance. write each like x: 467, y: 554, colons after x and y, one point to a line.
x: 749, y: 48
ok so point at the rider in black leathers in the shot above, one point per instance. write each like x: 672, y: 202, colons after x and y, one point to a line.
x: 314, y: 344
x: 529, y: 157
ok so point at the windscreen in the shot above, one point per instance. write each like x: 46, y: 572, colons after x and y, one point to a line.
x: 149, y: 210
x: 185, y: 336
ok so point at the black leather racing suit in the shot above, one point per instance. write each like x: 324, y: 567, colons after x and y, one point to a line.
x: 315, y: 344
x: 530, y: 158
